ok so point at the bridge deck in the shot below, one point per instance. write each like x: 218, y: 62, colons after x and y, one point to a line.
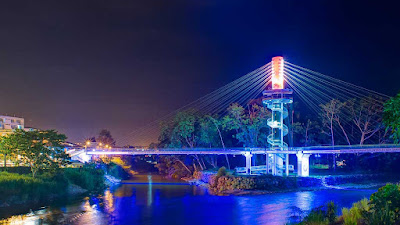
x: 241, y: 151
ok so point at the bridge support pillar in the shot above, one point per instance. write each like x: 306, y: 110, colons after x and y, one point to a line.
x: 303, y: 162
x: 267, y: 163
x: 248, y: 156
x: 287, y: 164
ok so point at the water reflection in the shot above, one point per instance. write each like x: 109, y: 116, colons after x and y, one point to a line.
x: 150, y: 191
x: 304, y: 200
x: 152, y: 200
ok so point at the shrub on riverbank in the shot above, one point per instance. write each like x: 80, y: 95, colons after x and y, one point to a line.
x: 223, y: 181
x: 322, y: 215
x: 88, y: 177
x: 16, y: 169
x: 24, y: 187
x: 117, y: 171
x: 354, y: 215
x: 383, y: 207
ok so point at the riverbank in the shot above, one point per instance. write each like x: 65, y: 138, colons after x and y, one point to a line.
x: 381, y: 208
x: 22, y: 192
x: 138, y: 201
x: 222, y: 183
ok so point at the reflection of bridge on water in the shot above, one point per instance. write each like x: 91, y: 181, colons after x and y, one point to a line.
x: 302, y: 153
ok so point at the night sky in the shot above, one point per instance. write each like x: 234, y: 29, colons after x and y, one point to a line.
x: 80, y: 66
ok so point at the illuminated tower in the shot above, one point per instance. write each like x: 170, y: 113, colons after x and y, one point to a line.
x: 277, y: 100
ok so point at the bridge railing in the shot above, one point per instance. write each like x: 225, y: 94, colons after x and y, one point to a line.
x: 259, y: 169
x: 238, y: 151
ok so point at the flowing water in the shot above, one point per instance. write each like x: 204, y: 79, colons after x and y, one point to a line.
x: 150, y: 199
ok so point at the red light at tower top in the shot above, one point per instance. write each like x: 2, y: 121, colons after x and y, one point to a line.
x: 277, y: 72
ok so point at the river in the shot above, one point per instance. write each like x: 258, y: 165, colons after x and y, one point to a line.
x: 149, y: 199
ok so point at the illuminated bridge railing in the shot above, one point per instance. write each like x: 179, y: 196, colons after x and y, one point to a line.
x: 342, y: 149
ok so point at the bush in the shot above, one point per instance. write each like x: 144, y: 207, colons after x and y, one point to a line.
x: 221, y: 172
x: 331, y: 210
x: 321, y: 215
x: 17, y: 169
x: 354, y: 215
x: 87, y: 177
x: 385, y: 205
x: 316, y: 216
x: 27, y: 187
x: 117, y: 171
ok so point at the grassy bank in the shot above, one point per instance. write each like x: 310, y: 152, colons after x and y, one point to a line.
x: 19, y: 188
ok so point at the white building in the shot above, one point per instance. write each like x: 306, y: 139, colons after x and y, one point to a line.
x: 11, y: 123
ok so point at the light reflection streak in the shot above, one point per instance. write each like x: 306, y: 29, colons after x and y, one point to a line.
x: 150, y: 191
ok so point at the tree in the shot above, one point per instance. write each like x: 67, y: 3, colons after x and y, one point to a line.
x: 185, y: 132
x: 330, y: 114
x: 7, y: 147
x: 217, y: 123
x: 367, y: 116
x: 391, y: 117
x: 308, y: 132
x: 249, y: 124
x: 40, y: 149
x: 106, y: 138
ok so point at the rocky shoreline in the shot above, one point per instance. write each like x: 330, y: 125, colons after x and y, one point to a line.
x: 342, y: 182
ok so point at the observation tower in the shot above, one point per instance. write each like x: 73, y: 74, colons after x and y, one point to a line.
x: 278, y: 100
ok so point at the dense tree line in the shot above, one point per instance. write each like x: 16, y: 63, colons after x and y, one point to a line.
x: 359, y: 121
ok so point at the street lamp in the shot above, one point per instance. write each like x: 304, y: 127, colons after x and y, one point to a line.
x: 87, y: 144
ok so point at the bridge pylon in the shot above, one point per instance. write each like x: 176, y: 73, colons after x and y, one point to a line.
x: 278, y: 100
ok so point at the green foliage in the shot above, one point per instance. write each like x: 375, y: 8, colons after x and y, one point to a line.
x: 39, y: 149
x: 221, y: 172
x: 391, y: 117
x: 7, y: 147
x: 27, y: 187
x: 307, y: 133
x: 173, y: 167
x: 321, y: 215
x: 250, y: 126
x: 354, y: 215
x: 316, y: 216
x: 222, y: 181
x: 20, y: 188
x: 331, y: 210
x: 385, y: 205
x: 182, y: 131
x: 87, y: 177
x: 117, y: 171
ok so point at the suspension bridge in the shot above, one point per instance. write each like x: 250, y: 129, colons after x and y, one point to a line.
x: 276, y: 82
